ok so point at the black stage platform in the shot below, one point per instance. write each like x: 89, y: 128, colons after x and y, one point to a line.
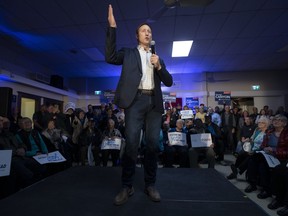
x: 87, y: 191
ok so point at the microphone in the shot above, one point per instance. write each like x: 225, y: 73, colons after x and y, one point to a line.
x: 152, y: 46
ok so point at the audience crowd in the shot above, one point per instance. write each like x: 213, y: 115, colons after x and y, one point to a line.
x: 82, y: 138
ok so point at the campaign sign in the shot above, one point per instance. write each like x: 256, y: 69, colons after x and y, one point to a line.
x: 5, y: 162
x: 52, y: 157
x: 201, y: 140
x: 186, y: 114
x: 177, y: 138
x: 111, y: 143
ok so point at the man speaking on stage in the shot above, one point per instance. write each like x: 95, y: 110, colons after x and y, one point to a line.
x: 139, y: 94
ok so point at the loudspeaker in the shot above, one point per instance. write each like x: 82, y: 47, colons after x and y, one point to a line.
x: 56, y: 81
x: 6, y: 95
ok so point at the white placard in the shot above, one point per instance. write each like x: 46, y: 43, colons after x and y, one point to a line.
x: 177, y: 138
x: 111, y: 144
x: 5, y: 162
x: 201, y: 140
x: 52, y: 157
x: 186, y: 114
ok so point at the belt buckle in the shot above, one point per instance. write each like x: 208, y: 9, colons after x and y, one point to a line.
x: 146, y: 92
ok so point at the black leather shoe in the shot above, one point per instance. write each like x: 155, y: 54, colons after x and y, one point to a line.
x: 275, y: 204
x: 153, y: 193
x: 234, y: 169
x: 250, y: 188
x: 231, y: 176
x: 283, y: 211
x: 123, y: 195
x: 263, y: 194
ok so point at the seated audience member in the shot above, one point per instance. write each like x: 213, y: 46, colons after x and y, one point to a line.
x: 56, y: 141
x: 251, y: 146
x: 110, y: 133
x: 90, y: 136
x: 188, y: 124
x: 194, y: 153
x: 275, y: 143
x: 246, y: 132
x: 24, y: 170
x: 53, y: 137
x: 32, y: 139
x: 216, y: 135
x: 160, y: 147
x: 176, y: 150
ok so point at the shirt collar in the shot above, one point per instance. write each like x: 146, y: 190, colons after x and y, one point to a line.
x: 140, y: 48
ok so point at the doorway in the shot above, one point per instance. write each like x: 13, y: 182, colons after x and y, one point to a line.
x: 27, y: 107
x: 244, y: 103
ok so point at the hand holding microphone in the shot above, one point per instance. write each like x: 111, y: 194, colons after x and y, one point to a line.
x: 154, y: 58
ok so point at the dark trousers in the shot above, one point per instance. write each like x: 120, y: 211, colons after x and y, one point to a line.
x: 171, y: 152
x: 219, y: 149
x: 140, y: 114
x: 242, y: 161
x: 279, y: 183
x: 228, y: 138
x: 114, y: 156
x: 28, y: 170
x: 259, y: 172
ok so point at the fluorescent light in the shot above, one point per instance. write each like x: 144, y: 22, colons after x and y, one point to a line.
x: 181, y: 48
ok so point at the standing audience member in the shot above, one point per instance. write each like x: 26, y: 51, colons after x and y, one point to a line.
x: 261, y: 113
x: 79, y: 124
x: 201, y: 114
x: 228, y: 128
x: 39, y: 118
x: 215, y: 117
x: 90, y: 135
x: 59, y: 118
x: 89, y: 114
x: 254, y: 114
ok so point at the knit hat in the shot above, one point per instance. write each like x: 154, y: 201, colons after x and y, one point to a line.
x: 69, y: 105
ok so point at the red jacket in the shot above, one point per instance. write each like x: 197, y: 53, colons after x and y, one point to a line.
x: 281, y: 151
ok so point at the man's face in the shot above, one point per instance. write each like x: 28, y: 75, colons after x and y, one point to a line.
x: 144, y: 35
x: 27, y: 125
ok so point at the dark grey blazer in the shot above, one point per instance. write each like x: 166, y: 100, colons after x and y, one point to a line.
x: 131, y: 73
